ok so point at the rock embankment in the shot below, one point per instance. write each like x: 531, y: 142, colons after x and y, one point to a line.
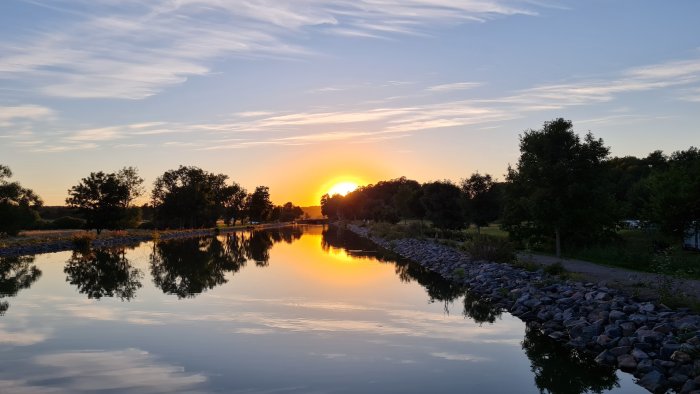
x: 660, y: 346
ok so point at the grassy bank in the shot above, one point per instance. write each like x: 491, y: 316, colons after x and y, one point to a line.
x: 637, y: 250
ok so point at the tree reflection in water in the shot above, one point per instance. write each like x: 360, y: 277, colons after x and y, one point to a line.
x: 480, y: 309
x: 16, y: 273
x: 562, y: 370
x: 103, y: 273
x: 190, y: 266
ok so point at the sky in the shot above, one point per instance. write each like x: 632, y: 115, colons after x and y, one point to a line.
x: 298, y: 95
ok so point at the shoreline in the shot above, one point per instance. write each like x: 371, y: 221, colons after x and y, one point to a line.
x: 62, y: 244
x: 659, y: 346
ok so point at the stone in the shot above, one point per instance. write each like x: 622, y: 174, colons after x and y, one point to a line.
x: 626, y: 363
x: 681, y: 357
x: 605, y: 358
x: 620, y: 350
x: 689, y: 386
x: 653, y: 381
x: 639, y: 354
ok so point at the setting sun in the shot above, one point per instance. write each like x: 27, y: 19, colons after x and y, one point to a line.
x: 342, y: 188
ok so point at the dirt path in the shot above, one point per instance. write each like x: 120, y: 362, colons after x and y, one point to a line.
x: 635, y: 282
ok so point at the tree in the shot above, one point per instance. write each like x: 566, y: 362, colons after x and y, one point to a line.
x: 674, y: 194
x: 482, y: 200
x: 234, y: 198
x: 559, y: 187
x: 104, y: 199
x: 286, y: 213
x: 17, y: 204
x: 441, y: 200
x: 189, y: 197
x: 259, y: 204
x: 103, y: 273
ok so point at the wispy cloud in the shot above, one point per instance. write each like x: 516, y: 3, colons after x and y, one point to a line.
x: 449, y: 87
x: 132, y: 50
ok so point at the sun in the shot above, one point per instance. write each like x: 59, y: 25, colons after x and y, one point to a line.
x: 342, y: 188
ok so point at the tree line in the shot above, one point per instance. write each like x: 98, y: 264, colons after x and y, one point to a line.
x: 187, y: 197
x: 564, y: 189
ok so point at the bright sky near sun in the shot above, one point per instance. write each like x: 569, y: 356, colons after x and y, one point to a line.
x: 302, y: 95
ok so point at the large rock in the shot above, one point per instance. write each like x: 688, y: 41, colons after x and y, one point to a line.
x: 653, y: 381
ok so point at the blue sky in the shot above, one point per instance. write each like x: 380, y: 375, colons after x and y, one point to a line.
x: 299, y: 94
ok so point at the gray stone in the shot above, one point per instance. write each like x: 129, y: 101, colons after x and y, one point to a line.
x: 620, y: 350
x: 626, y: 363
x: 653, y: 381
x: 639, y: 354
x: 681, y: 357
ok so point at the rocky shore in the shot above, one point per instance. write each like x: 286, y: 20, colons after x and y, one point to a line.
x: 659, y: 346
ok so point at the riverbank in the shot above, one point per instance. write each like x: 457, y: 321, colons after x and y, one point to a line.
x: 658, y: 345
x: 37, y: 242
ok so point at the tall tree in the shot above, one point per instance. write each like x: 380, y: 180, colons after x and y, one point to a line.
x: 189, y: 197
x: 441, y: 200
x: 17, y: 204
x: 259, y: 204
x: 559, y: 187
x: 674, y: 194
x: 103, y: 199
x: 482, y: 199
x: 234, y: 198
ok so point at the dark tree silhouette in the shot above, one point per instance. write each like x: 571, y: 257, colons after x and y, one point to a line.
x: 103, y: 273
x: 104, y: 199
x: 17, y: 205
x: 480, y: 309
x: 442, y: 205
x: 559, y: 187
x: 259, y: 204
x: 16, y: 273
x: 483, y: 202
x: 234, y: 198
x: 286, y: 213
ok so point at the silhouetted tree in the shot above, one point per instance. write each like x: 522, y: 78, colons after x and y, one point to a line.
x: 480, y: 309
x: 104, y: 199
x: 259, y: 204
x: 674, y: 193
x: 190, y: 197
x: 482, y: 200
x: 441, y: 200
x: 286, y: 213
x: 17, y: 205
x: 559, y: 187
x: 103, y: 273
x: 234, y: 198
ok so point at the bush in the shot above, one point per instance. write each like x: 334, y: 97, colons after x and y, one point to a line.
x: 68, y: 222
x: 555, y: 269
x: 83, y: 240
x: 490, y: 248
x: 147, y: 226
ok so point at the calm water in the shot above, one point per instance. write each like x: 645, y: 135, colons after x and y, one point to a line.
x: 276, y: 311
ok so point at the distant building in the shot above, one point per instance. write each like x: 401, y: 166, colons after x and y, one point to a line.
x: 692, y: 238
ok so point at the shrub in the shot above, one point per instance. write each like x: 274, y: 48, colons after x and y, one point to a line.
x: 147, y: 226
x: 83, y: 240
x: 555, y: 269
x: 490, y: 248
x: 68, y: 222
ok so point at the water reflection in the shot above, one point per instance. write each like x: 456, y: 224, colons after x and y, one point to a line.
x: 187, y: 267
x: 562, y: 370
x: 16, y: 273
x: 480, y: 309
x: 103, y: 273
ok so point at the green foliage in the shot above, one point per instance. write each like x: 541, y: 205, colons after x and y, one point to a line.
x: 674, y: 194
x: 103, y: 199
x: 490, y: 248
x: 559, y: 187
x: 17, y: 205
x: 482, y: 199
x: 441, y: 200
x: 191, y: 197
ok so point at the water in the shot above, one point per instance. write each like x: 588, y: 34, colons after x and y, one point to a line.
x: 295, y: 310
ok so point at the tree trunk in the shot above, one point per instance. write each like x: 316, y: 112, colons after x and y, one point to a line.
x: 558, y: 242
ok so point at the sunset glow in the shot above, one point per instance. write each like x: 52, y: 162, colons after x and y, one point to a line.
x: 342, y: 188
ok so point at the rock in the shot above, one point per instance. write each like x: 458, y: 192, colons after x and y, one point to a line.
x: 606, y: 358
x: 681, y: 357
x: 626, y: 363
x: 639, y: 354
x: 668, y: 349
x: 689, y: 386
x: 653, y: 381
x: 645, y: 366
x: 620, y: 350
x: 616, y: 315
